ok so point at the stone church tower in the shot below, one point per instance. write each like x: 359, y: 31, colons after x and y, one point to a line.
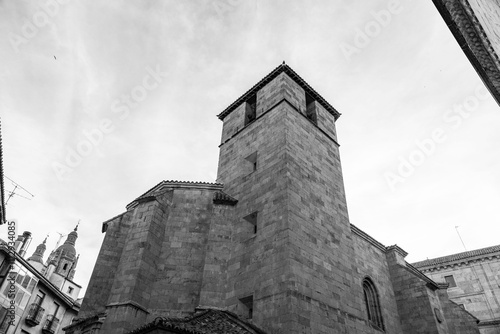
x: 270, y: 241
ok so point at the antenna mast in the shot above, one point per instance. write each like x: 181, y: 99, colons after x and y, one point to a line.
x: 456, y: 228
x: 13, y: 192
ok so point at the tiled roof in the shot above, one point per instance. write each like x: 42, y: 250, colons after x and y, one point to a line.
x: 292, y: 74
x: 457, y: 257
x: 208, y: 321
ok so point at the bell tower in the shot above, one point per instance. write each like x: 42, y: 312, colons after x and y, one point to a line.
x: 279, y: 157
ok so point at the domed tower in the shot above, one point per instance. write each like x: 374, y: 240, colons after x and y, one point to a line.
x: 61, y: 265
x: 65, y: 255
x: 36, y: 260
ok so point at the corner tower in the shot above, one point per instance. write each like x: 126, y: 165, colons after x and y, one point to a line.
x: 279, y: 157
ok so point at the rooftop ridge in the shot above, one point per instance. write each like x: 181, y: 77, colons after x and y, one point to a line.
x: 457, y: 256
x: 274, y: 73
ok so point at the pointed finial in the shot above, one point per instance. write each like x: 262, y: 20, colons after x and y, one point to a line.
x: 45, y: 240
x: 283, y: 63
x: 76, y: 227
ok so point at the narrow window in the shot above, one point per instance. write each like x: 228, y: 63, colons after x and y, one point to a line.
x: 372, y: 304
x: 247, y: 303
x: 56, y: 309
x: 65, y: 266
x: 250, y: 109
x: 252, y: 219
x: 451, y: 281
x: 252, y: 162
x: 311, y: 109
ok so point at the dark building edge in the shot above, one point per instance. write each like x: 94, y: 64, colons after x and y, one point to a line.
x: 465, y: 27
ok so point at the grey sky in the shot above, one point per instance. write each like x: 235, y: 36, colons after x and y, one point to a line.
x: 391, y: 68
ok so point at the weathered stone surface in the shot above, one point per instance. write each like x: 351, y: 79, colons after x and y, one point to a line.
x: 277, y: 247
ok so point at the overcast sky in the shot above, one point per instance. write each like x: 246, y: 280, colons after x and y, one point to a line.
x: 100, y: 101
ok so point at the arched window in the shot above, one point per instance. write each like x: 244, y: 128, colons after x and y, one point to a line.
x: 372, y: 303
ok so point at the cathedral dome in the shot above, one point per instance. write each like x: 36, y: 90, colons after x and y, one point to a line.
x: 67, y: 249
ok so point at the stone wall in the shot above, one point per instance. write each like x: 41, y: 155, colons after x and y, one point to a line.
x: 99, y: 288
x: 477, y: 286
x: 285, y: 255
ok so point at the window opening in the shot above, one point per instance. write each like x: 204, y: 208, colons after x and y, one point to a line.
x: 251, y: 109
x: 252, y: 160
x: 451, y: 281
x: 248, y: 306
x: 252, y: 219
x: 311, y: 112
x: 372, y: 304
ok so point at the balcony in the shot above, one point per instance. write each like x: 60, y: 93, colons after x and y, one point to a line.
x: 35, y: 314
x: 50, y: 325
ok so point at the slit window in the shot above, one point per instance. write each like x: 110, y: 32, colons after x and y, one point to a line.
x: 252, y: 162
x: 250, y: 109
x: 252, y: 219
x: 247, y: 305
x: 311, y: 112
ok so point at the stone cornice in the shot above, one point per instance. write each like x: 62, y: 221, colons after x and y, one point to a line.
x: 460, y: 263
x: 470, y: 35
x: 363, y: 235
x: 149, y: 195
x: 459, y: 259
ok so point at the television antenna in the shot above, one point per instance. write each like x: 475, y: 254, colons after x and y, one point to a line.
x: 13, y: 192
x: 60, y: 238
x: 456, y: 228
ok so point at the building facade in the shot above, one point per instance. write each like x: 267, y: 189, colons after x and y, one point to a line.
x: 473, y: 280
x: 270, y: 242
x: 42, y: 298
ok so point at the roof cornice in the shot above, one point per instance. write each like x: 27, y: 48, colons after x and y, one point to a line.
x: 459, y: 259
x: 268, y: 78
x: 473, y: 40
x: 149, y: 195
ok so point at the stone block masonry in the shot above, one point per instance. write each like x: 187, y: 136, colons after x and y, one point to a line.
x: 271, y: 241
